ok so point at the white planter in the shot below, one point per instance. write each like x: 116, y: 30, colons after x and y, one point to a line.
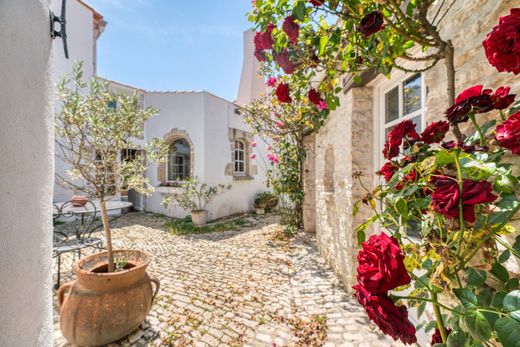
x: 259, y: 210
x: 199, y: 217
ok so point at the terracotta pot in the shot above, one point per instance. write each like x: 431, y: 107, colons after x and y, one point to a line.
x: 78, y: 200
x: 103, y: 307
x: 259, y: 210
x: 199, y: 217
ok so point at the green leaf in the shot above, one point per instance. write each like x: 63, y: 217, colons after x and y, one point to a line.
x: 508, y: 331
x: 500, y: 272
x: 504, y: 256
x: 498, y: 299
x: 476, y: 277
x: 355, y: 209
x: 477, y: 325
x: 456, y: 339
x: 361, y: 236
x: 467, y: 298
x: 402, y: 207
x: 323, y: 43
x: 299, y: 11
x: 420, y: 309
x: 506, y: 183
x: 444, y: 157
x: 512, y: 284
x: 512, y: 301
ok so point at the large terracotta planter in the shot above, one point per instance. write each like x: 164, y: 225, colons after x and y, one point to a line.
x: 199, y: 217
x: 103, y: 307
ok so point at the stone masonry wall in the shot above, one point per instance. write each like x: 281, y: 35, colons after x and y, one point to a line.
x: 345, y: 144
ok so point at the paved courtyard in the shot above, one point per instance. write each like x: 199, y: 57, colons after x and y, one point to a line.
x: 239, y: 288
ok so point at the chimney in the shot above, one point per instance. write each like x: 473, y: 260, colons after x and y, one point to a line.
x: 252, y: 85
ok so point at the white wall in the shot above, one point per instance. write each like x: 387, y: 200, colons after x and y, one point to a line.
x: 80, y: 40
x: 26, y: 171
x: 251, y: 84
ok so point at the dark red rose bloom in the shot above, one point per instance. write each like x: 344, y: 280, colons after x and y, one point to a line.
x: 317, y: 2
x: 316, y: 99
x: 283, y: 60
x: 260, y: 56
x: 502, y: 99
x: 391, y: 319
x: 291, y: 28
x: 371, y: 23
x: 474, y: 99
x: 380, y: 264
x: 387, y: 170
x: 282, y: 92
x: 502, y: 44
x: 437, y: 338
x: 445, y: 197
x: 508, y: 133
x: 403, y: 130
x: 264, y: 40
x: 435, y: 132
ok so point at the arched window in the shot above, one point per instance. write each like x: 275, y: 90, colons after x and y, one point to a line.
x: 240, y: 161
x: 179, y: 160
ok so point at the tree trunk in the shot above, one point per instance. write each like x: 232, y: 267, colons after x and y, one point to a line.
x: 449, y: 59
x: 108, y: 235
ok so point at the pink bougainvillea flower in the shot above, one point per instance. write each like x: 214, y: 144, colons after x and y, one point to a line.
x: 253, y: 156
x: 508, y: 133
x: 282, y: 92
x: 502, y: 99
x: 371, y: 23
x: 271, y: 81
x: 402, y: 131
x: 253, y: 144
x: 435, y: 132
x: 502, y: 44
x: 291, y: 28
x: 316, y: 99
x: 273, y: 158
x: 280, y: 124
x: 268, y: 147
x: 391, y: 319
x: 474, y: 99
x: 283, y: 60
x: 317, y: 2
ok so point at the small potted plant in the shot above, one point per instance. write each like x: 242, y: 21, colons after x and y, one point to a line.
x: 194, y: 196
x: 265, y: 201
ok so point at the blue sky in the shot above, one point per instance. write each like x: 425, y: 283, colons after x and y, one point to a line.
x: 173, y: 44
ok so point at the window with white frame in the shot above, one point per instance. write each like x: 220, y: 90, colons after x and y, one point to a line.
x: 240, y: 161
x: 402, y: 100
x: 178, y: 167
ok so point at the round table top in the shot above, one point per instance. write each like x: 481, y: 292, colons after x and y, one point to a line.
x: 89, y: 207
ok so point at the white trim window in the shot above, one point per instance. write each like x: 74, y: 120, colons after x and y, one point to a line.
x: 178, y: 168
x: 401, y: 99
x: 240, y: 158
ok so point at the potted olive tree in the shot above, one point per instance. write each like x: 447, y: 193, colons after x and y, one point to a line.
x: 194, y: 196
x: 93, y: 128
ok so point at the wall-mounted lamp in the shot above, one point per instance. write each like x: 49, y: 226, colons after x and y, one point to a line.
x: 60, y: 23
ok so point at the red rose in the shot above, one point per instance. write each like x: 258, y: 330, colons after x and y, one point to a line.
x: 283, y: 60
x: 271, y: 81
x: 445, y: 198
x: 435, y: 132
x: 437, y: 338
x: 291, y: 28
x: 502, y: 99
x: 502, y: 44
x: 380, y: 264
x: 403, y: 130
x: 392, y: 320
x: 264, y: 40
x: 260, y: 55
x: 316, y: 99
x: 317, y: 2
x: 371, y: 23
x: 387, y: 170
x: 508, y: 133
x: 473, y: 99
x: 282, y: 92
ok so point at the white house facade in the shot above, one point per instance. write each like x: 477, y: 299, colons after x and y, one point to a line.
x: 206, y: 136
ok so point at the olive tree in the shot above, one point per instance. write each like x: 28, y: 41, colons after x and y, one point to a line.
x: 94, y: 127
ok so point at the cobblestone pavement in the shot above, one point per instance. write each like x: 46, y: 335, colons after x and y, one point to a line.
x: 239, y: 288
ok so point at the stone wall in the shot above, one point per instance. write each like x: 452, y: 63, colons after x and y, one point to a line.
x: 309, y: 177
x: 342, y: 147
x: 347, y: 142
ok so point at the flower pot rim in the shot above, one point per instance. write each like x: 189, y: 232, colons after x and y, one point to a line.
x: 199, y: 211
x: 81, y: 271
